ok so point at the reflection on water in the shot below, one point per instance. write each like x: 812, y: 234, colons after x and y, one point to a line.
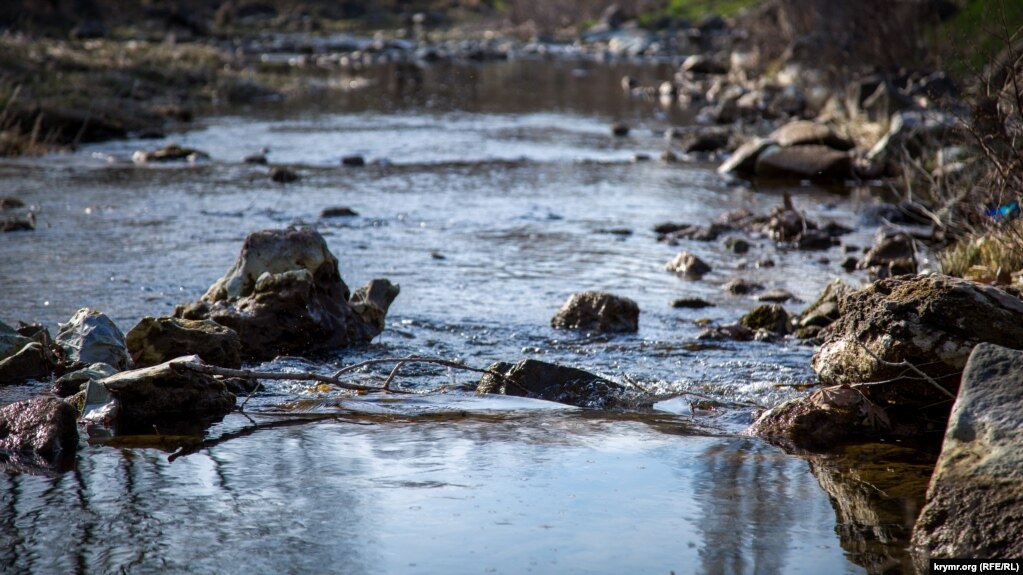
x: 485, y: 195
x: 535, y: 493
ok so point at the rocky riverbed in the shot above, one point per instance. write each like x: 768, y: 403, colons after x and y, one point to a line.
x: 689, y: 221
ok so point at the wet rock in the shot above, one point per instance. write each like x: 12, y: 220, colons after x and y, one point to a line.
x: 285, y: 295
x: 672, y: 232
x: 541, y: 380
x: 10, y: 203
x: 975, y: 498
x: 932, y: 322
x: 91, y: 337
x: 688, y: 266
x: 11, y: 342
x: 893, y: 254
x: 737, y: 245
x: 703, y: 64
x: 743, y: 160
x: 734, y: 331
x: 18, y: 222
x: 804, y: 132
x: 71, y: 383
x: 825, y: 310
x: 44, y: 427
x: 595, y: 311
x: 167, y: 391
x: 811, y: 239
x: 33, y: 361
x: 619, y: 129
x: 257, y: 158
x: 850, y: 263
x: 810, y: 162
x: 372, y: 301
x: 283, y: 175
x: 740, y: 286
x: 822, y: 420
x: 169, y: 153
x: 354, y: 161
x: 771, y: 317
x: 157, y: 340
x: 776, y: 296
x: 338, y: 212
x: 691, y: 303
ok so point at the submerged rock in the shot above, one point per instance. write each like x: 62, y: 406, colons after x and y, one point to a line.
x: 975, y: 498
x: 44, y: 426
x: 691, y: 303
x: 34, y: 361
x: 283, y: 175
x: 91, y: 337
x: 166, y: 391
x: 688, y: 266
x: 596, y: 311
x: 740, y: 286
x: 156, y: 340
x: 353, y: 161
x: 285, y: 295
x: 338, y: 212
x: 541, y: 380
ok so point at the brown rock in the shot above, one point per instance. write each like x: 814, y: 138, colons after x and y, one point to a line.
x: 805, y: 132
x: 33, y: 362
x: 541, y: 380
x: 596, y: 311
x: 44, y: 426
x: 163, y: 390
x: 688, y: 266
x: 811, y: 162
x: 156, y: 340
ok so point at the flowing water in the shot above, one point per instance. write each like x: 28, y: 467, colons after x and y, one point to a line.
x: 488, y: 196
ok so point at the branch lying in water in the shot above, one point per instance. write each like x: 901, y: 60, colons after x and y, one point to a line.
x: 200, y: 367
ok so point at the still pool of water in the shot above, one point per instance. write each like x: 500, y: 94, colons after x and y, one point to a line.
x: 488, y: 197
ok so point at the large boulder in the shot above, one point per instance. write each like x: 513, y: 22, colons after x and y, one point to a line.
x: 929, y: 322
x: 822, y: 420
x: 168, y: 390
x: 91, y: 337
x: 44, y: 427
x: 597, y: 311
x: 156, y: 340
x: 805, y: 132
x: 285, y: 295
x: 810, y: 162
x: 975, y: 498
x: 34, y: 361
x: 541, y: 380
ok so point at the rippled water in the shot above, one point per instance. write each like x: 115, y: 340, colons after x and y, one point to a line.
x: 487, y: 196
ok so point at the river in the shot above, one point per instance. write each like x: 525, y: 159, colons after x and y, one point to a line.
x: 488, y: 196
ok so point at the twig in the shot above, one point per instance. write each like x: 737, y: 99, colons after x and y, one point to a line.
x: 908, y: 365
x: 250, y: 374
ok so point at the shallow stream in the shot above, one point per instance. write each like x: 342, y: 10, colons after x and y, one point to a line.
x: 489, y: 195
